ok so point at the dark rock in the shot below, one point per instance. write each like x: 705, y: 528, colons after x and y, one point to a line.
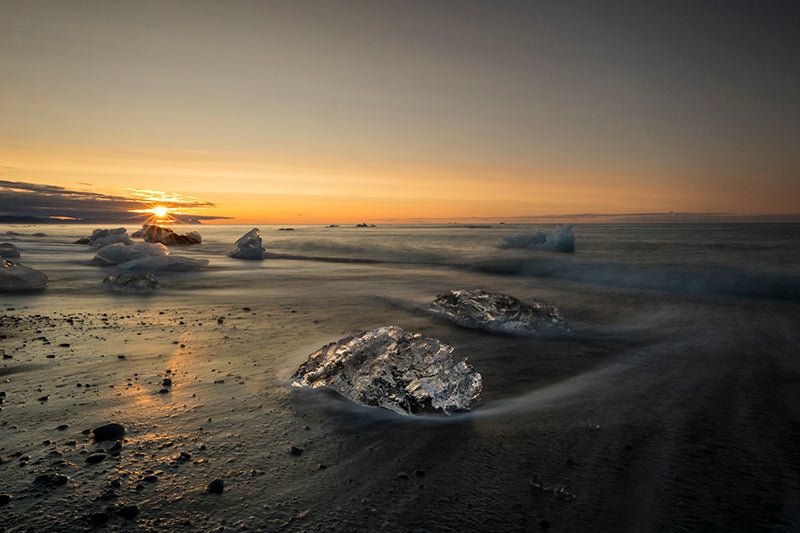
x: 419, y: 473
x: 163, y: 391
x: 544, y: 524
x: 128, y: 512
x: 167, y: 382
x: 152, y: 478
x: 220, y: 320
x: 216, y: 486
x: 98, y: 519
x: 116, y: 447
x: 95, y: 458
x: 4, y: 499
x: 296, y: 450
x: 43, y: 398
x: 50, y: 480
x: 402, y: 475
x: 394, y: 369
x: 108, y: 495
x: 498, y: 312
x: 62, y: 427
x: 64, y: 345
x: 109, y: 432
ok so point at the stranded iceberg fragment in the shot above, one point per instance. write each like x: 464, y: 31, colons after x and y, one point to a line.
x: 166, y: 236
x: 103, y: 237
x: 136, y: 283
x: 146, y: 257
x: 498, y: 312
x: 561, y: 240
x: 8, y: 251
x: 16, y: 277
x: 394, y: 369
x: 248, y: 246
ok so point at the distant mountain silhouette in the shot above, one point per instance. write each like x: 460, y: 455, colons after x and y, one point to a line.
x: 9, y: 219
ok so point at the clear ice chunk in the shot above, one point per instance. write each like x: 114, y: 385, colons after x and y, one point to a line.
x: 391, y: 368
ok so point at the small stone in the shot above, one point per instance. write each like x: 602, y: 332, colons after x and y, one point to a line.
x: 116, y: 447
x: 62, y: 427
x: 115, y: 484
x: 220, y: 320
x: 64, y: 345
x: 120, y: 357
x: 402, y: 475
x: 419, y: 473
x: 152, y: 478
x: 43, y: 398
x: 98, y: 519
x: 167, y: 382
x: 544, y: 524
x: 163, y: 391
x: 4, y: 499
x: 108, y: 495
x: 297, y: 450
x: 128, y: 512
x: 216, y: 486
x: 95, y: 458
x: 109, y: 432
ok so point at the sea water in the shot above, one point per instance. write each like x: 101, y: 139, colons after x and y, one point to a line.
x: 652, y: 284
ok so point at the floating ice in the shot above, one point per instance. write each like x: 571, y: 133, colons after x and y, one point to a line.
x: 164, y: 263
x: 8, y: 251
x: 152, y: 233
x: 394, y: 369
x: 248, y: 246
x: 561, y: 240
x: 16, y: 277
x: 498, y: 312
x: 138, y: 283
x: 117, y: 253
x: 104, y: 237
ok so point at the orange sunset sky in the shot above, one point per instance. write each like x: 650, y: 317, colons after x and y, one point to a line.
x: 342, y: 112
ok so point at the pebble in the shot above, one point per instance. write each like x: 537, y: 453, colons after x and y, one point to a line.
x: 108, y: 432
x: 152, y: 478
x: 98, y: 519
x: 167, y: 382
x: 116, y: 447
x: 43, y: 398
x: 297, y: 450
x: 95, y: 458
x: 216, y: 486
x: 62, y: 427
x: 4, y: 499
x: 128, y: 512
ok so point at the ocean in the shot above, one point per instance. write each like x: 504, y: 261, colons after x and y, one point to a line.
x: 674, y: 403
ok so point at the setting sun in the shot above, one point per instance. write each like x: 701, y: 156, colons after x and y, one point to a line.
x: 160, y: 211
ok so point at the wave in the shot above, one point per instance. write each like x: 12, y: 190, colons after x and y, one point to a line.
x: 711, y: 278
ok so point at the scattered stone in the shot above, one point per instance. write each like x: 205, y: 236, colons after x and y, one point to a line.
x: 163, y: 391
x: 4, y: 499
x: 128, y: 512
x: 94, y: 458
x: 43, y: 398
x: 498, y: 312
x: 98, y: 519
x: 220, y: 321
x: 50, y: 480
x: 64, y: 345
x: 216, y: 486
x: 152, y: 478
x: 167, y: 382
x: 109, y: 432
x: 296, y: 450
x: 394, y: 369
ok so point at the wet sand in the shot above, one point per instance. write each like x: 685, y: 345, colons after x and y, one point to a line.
x: 598, y: 434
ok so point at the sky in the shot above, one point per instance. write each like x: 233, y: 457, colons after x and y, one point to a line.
x: 343, y: 112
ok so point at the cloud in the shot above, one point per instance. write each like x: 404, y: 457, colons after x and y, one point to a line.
x: 51, y: 202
